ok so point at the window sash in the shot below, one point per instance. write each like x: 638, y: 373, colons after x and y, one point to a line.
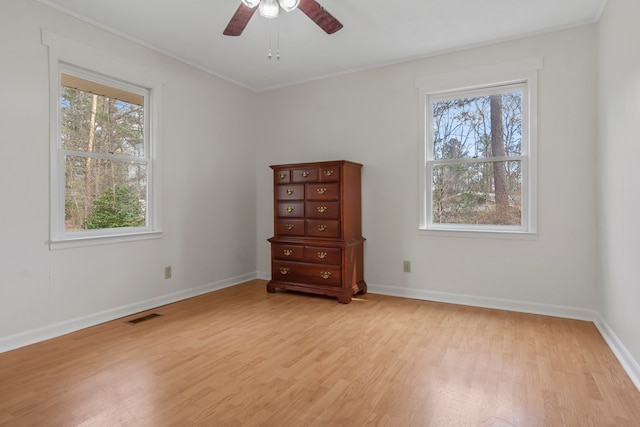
x: 59, y: 231
x: 524, y: 197
x: 496, y: 89
x: 429, y: 98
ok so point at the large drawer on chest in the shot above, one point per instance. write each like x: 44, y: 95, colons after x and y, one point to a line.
x: 311, y: 254
x: 324, y: 275
x: 321, y: 255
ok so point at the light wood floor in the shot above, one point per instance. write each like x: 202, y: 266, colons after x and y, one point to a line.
x: 241, y: 356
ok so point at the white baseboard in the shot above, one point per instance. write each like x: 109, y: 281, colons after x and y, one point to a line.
x: 57, y: 329
x: 264, y: 275
x: 497, y: 303
x: 628, y: 362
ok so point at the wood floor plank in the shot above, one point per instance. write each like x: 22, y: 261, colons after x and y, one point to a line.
x: 244, y: 357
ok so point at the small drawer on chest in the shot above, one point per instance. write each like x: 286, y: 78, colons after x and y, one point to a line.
x: 288, y: 252
x: 290, y: 209
x: 290, y: 227
x: 282, y: 176
x: 323, y: 210
x: 330, y: 173
x: 320, y: 255
x: 321, y: 228
x: 290, y: 192
x: 309, y: 174
x: 328, y: 191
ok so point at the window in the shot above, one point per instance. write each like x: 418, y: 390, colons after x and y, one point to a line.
x: 104, y: 148
x: 478, y: 164
x: 102, y: 152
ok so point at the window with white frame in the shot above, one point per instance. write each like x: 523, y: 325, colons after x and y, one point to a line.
x: 104, y: 154
x: 479, y: 157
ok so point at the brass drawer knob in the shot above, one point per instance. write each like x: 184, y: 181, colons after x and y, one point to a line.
x: 321, y: 190
x: 287, y: 252
x: 322, y: 227
x: 322, y: 255
x: 325, y: 274
x: 289, y: 226
x: 289, y: 191
x: 282, y: 175
x: 328, y: 173
x: 284, y: 270
x: 305, y: 174
x: 321, y: 209
x: 289, y: 209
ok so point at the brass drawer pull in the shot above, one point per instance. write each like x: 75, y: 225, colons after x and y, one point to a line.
x: 322, y: 255
x: 289, y: 191
x: 321, y: 190
x: 289, y: 226
x: 305, y: 174
x: 284, y: 270
x: 287, y: 252
x: 289, y: 209
x: 322, y: 227
x: 282, y: 175
x: 325, y: 274
x: 321, y: 209
x: 328, y: 173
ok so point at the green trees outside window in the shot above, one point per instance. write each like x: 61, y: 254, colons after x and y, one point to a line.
x: 103, y: 143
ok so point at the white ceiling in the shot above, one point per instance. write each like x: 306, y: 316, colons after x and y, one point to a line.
x: 376, y: 32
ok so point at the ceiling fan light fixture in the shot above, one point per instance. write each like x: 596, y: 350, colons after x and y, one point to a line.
x: 251, y: 3
x: 289, y: 5
x: 269, y: 8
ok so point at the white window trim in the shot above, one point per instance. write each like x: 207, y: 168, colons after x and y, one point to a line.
x: 525, y: 71
x: 72, y: 57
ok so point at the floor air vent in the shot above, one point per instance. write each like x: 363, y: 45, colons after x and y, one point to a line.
x: 143, y: 318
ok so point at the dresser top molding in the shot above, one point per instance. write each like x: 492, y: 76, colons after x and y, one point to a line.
x: 325, y: 163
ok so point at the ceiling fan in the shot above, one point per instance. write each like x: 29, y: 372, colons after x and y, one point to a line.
x: 270, y: 9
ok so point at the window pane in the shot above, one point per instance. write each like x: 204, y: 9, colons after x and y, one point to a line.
x: 478, y: 127
x: 477, y: 193
x: 104, y: 193
x: 103, y: 124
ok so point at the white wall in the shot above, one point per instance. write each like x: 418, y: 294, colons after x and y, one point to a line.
x: 619, y: 148
x: 208, y: 190
x: 371, y: 117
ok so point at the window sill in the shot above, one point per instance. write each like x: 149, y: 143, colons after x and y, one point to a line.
x: 84, y: 241
x: 479, y: 234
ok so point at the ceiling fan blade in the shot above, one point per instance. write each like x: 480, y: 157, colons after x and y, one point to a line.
x: 239, y: 20
x: 320, y: 16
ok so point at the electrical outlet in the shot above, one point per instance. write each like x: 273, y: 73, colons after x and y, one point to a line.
x: 167, y: 272
x: 406, y: 265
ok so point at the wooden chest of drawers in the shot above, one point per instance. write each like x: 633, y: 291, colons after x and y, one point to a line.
x: 318, y: 244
